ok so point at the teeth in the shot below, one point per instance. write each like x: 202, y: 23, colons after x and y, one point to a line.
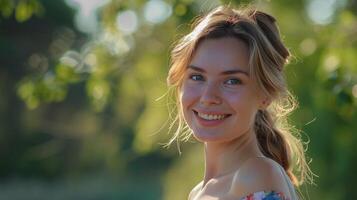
x: 211, y: 117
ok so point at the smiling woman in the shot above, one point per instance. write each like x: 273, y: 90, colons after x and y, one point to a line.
x: 231, y: 93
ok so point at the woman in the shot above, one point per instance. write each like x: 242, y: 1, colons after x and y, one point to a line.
x: 231, y: 92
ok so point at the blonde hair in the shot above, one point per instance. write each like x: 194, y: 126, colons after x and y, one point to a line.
x: 268, y: 55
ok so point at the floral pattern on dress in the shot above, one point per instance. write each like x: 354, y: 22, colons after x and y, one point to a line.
x: 265, y: 195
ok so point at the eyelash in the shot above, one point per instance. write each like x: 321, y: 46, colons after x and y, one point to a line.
x: 196, y: 75
x: 201, y: 78
x: 238, y: 81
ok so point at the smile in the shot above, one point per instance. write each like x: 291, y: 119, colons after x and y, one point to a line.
x: 211, y: 117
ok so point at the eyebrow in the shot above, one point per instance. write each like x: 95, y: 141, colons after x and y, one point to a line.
x: 228, y: 72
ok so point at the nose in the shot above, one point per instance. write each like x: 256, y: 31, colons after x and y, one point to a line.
x: 211, y: 95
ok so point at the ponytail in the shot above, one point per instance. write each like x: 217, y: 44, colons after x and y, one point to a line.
x: 274, y: 133
x: 273, y: 143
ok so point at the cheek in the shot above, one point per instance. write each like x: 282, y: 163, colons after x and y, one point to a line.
x: 244, y: 102
x: 188, y: 95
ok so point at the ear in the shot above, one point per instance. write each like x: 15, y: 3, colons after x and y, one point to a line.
x: 264, y: 103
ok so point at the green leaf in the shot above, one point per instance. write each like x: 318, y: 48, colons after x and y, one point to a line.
x: 23, y: 11
x: 6, y: 7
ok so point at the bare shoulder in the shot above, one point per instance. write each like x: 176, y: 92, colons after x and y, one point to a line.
x: 195, y: 191
x: 259, y: 174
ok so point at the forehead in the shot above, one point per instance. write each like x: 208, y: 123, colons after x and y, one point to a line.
x: 221, y: 54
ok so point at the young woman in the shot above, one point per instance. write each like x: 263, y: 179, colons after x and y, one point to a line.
x: 231, y: 92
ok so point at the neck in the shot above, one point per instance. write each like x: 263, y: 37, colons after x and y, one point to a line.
x: 223, y: 158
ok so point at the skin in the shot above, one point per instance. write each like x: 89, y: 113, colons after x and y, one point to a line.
x: 217, y: 82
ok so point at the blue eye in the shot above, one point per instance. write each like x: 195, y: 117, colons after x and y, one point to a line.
x: 233, y: 81
x: 196, y: 77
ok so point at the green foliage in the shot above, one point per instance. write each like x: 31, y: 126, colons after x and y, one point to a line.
x: 6, y: 7
x: 23, y: 9
x: 33, y: 92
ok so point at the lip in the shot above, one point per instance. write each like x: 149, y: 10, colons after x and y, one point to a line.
x: 210, y: 123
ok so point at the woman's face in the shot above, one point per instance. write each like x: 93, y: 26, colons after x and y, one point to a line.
x: 218, y: 97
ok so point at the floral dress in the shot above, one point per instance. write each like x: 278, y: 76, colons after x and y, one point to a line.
x: 265, y: 195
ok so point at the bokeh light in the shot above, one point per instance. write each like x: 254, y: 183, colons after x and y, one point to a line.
x: 308, y: 46
x: 86, y: 18
x: 322, y: 11
x: 354, y: 91
x: 157, y: 11
x: 127, y: 21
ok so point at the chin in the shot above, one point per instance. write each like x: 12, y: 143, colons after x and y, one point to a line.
x: 207, y: 136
